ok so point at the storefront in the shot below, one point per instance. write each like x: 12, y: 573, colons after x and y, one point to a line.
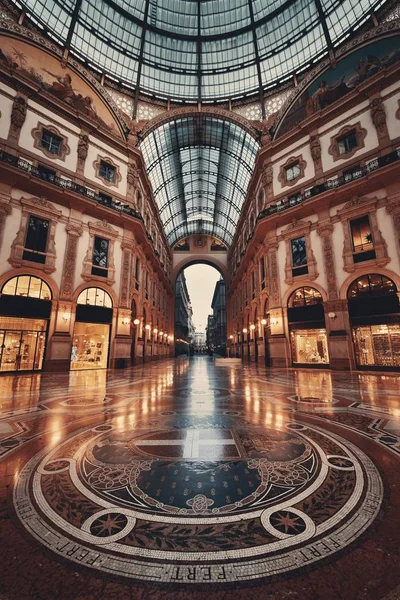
x: 308, y: 339
x: 375, y: 320
x: 92, y: 329
x: 25, y: 309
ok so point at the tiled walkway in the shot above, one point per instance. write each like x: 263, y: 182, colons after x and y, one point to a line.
x: 183, y: 478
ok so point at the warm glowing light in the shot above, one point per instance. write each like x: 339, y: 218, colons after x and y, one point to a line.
x: 155, y: 330
x: 231, y: 337
x: 148, y: 327
x: 161, y: 333
x: 252, y: 326
x: 263, y: 321
x: 136, y: 322
x: 245, y: 330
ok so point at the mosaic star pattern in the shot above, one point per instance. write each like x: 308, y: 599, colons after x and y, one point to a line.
x: 157, y: 482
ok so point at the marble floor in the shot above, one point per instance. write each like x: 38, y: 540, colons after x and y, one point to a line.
x: 182, y: 478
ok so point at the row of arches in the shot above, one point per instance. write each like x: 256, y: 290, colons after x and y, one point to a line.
x: 369, y: 317
x: 33, y: 321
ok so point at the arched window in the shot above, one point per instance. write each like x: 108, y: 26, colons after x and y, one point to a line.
x: 95, y: 297
x: 28, y: 287
x: 305, y: 296
x: 371, y: 286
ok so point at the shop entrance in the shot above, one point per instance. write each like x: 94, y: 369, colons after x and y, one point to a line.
x: 375, y: 320
x: 91, y: 337
x: 25, y: 308
x: 308, y: 337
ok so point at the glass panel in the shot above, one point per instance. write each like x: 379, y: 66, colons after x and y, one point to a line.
x: 299, y: 253
x: 22, y: 343
x: 377, y: 345
x: 95, y: 297
x: 309, y: 346
x: 90, y: 346
x: 51, y: 142
x: 25, y: 285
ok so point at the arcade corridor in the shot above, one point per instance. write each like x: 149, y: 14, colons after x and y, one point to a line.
x: 180, y: 477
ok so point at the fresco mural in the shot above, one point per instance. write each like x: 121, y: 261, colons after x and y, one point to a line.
x: 335, y: 83
x: 64, y: 84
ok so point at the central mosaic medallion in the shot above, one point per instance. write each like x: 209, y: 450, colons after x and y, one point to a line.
x: 171, y: 471
x: 186, y: 500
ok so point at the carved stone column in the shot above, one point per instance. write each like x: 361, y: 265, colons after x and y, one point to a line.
x: 18, y: 116
x: 378, y: 116
x: 127, y: 248
x: 83, y: 150
x: 74, y: 232
x: 5, y: 208
x: 315, y: 149
x: 325, y: 232
x: 393, y: 207
x: 272, y: 274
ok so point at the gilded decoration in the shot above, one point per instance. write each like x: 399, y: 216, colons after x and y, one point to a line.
x: 37, y: 134
x: 360, y: 133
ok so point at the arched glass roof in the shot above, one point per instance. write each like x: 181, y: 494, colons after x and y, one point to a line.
x: 208, y: 50
x: 200, y: 168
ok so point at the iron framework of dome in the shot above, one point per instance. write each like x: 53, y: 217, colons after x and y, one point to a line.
x: 200, y: 168
x: 200, y: 50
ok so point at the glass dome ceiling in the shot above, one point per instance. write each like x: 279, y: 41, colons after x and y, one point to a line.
x: 200, y: 168
x: 200, y: 50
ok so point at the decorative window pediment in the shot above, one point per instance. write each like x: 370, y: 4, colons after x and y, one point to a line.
x: 347, y: 141
x: 36, y: 210
x: 100, y: 230
x: 107, y: 171
x: 292, y: 171
x: 50, y: 141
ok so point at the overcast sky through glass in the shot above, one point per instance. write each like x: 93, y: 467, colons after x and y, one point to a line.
x: 201, y: 280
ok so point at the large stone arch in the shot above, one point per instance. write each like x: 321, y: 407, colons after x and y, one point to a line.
x: 182, y: 262
x: 193, y: 111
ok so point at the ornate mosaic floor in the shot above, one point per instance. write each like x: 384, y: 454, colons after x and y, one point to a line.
x: 181, y: 477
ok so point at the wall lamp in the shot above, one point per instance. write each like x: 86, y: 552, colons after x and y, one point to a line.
x: 245, y: 330
x: 252, y: 327
x: 136, y: 322
x: 263, y: 322
x: 332, y: 315
x: 147, y: 327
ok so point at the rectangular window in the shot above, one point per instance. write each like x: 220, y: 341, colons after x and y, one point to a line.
x: 36, y: 240
x: 292, y: 171
x: 100, y: 257
x: 299, y: 256
x: 51, y: 142
x: 107, y: 171
x: 361, y: 235
x: 347, y: 142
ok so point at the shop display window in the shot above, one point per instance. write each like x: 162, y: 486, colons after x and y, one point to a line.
x: 309, y: 346
x: 90, y: 346
x: 22, y: 344
x: 377, y: 345
x: 25, y: 285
